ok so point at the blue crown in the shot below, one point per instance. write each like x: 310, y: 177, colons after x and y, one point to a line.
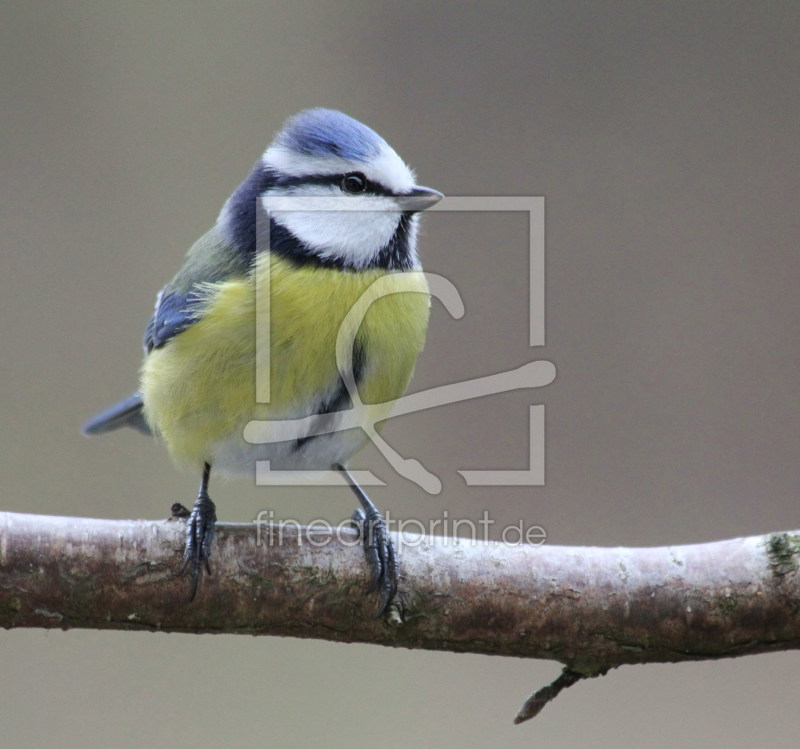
x: 326, y: 132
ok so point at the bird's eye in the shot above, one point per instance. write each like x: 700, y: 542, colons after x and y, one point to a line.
x: 354, y: 183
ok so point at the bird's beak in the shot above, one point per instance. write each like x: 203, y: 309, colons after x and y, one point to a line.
x: 419, y: 199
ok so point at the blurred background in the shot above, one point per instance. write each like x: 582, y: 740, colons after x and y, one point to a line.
x: 664, y: 137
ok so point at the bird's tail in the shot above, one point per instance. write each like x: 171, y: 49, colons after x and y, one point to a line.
x: 126, y: 413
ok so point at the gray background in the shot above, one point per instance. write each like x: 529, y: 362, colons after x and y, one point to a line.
x: 664, y: 137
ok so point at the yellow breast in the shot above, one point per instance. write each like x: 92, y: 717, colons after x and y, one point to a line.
x: 200, y: 387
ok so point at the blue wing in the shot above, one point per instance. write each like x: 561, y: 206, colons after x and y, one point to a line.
x: 174, y: 313
x: 178, y: 306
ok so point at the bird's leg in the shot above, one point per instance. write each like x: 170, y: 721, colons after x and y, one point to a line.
x: 199, y: 534
x: 378, y: 547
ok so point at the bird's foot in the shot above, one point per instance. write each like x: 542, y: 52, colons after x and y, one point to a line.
x: 380, y: 554
x: 178, y: 512
x: 199, y: 535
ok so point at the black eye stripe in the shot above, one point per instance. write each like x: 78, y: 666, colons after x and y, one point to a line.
x: 373, y: 188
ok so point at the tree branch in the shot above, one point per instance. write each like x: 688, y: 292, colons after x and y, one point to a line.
x: 592, y: 609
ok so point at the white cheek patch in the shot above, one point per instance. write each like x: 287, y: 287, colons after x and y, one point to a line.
x: 352, y: 228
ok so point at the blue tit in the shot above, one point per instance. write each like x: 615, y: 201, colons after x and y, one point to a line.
x: 197, y: 388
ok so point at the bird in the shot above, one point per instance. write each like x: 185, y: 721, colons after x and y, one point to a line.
x: 327, y: 211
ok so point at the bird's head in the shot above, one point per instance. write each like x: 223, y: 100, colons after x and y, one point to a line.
x: 332, y: 192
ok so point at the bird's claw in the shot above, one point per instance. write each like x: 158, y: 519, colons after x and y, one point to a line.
x: 380, y: 554
x: 178, y: 512
x: 199, y: 536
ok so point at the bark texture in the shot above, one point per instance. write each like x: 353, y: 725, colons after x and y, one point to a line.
x: 589, y: 608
